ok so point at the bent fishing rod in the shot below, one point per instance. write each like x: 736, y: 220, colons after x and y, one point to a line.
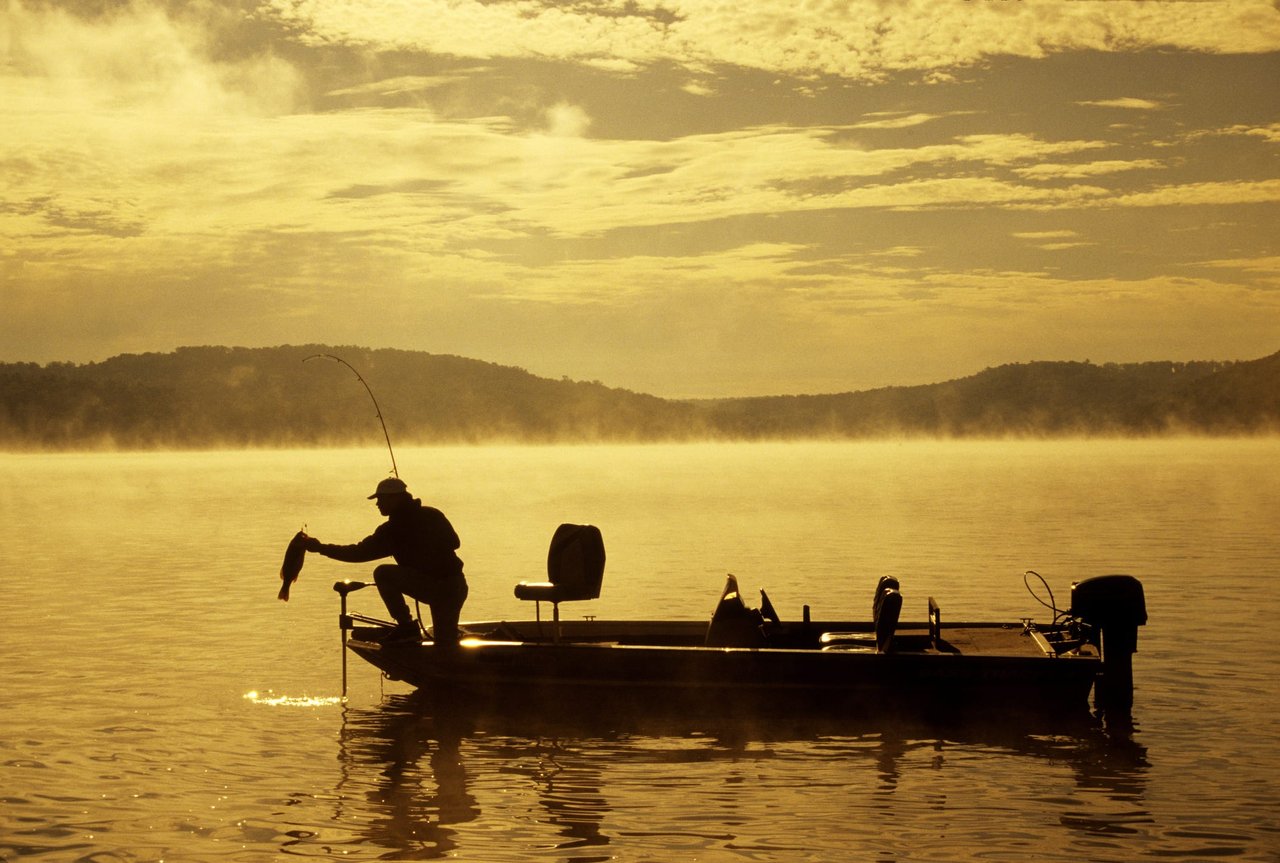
x: 394, y: 470
x: 343, y: 588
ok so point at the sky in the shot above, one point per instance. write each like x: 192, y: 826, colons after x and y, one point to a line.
x: 690, y: 198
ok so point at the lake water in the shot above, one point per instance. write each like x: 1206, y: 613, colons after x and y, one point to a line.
x: 161, y: 704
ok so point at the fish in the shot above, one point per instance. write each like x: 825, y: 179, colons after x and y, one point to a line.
x: 292, y: 566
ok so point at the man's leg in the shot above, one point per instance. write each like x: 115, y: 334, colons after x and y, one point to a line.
x: 446, y: 608
x: 444, y: 597
x: 392, y: 581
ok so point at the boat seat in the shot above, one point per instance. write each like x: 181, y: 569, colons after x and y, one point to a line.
x: 575, y: 570
x: 886, y: 606
x: 733, y: 624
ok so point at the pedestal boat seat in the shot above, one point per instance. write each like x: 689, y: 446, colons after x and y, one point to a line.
x: 886, y: 606
x: 575, y: 570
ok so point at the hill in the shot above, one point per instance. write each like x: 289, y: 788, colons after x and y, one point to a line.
x: 217, y: 396
x: 1041, y: 398
x: 200, y: 397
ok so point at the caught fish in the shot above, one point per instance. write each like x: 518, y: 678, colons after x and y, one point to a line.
x: 292, y: 566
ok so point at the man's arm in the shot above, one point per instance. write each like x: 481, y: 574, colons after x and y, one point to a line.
x: 372, y: 547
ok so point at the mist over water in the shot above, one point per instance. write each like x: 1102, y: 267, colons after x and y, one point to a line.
x: 162, y: 704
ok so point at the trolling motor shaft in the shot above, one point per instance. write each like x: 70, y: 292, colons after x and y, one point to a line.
x: 345, y: 621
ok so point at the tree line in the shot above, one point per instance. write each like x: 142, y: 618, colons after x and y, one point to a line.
x: 202, y: 397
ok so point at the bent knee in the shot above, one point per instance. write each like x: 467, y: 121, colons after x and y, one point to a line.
x: 385, y: 571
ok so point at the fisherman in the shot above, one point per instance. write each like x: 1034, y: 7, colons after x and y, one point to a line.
x: 427, y: 567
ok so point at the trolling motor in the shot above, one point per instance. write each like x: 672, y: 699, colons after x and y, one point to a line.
x: 1111, y: 607
x: 345, y: 621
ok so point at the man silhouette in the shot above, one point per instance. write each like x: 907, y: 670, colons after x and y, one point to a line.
x: 424, y: 546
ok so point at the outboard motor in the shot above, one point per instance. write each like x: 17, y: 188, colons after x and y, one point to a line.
x: 1112, y: 607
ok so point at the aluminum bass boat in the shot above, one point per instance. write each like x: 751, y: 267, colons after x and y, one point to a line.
x: 751, y: 657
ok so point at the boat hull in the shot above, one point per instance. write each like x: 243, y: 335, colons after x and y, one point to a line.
x: 517, y: 674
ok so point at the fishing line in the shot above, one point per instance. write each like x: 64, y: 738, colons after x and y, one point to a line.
x: 394, y: 470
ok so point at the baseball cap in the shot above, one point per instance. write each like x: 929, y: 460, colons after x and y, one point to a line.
x: 390, y: 485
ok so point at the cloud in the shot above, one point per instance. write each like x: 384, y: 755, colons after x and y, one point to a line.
x: 1221, y: 193
x: 1267, y: 267
x: 565, y: 120
x: 411, y: 184
x: 140, y: 61
x: 1053, y: 241
x: 1058, y: 247
x: 858, y: 40
x: 1044, y: 235
x: 899, y: 252
x: 1128, y: 103
x: 898, y: 120
x: 1051, y: 171
x: 1269, y: 133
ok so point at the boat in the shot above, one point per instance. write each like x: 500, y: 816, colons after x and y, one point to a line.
x: 751, y: 658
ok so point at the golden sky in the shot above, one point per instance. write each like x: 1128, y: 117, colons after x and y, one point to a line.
x: 681, y: 197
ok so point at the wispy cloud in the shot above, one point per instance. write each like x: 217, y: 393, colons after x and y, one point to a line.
x: 1267, y: 268
x: 1269, y: 133
x: 898, y: 120
x: 1044, y: 235
x: 1224, y: 193
x: 1054, y: 241
x: 1128, y: 103
x: 1050, y: 171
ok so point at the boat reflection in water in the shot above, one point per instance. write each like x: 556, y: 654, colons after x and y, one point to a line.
x: 410, y: 769
x: 423, y: 783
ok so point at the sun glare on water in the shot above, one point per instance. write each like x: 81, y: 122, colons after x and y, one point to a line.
x: 272, y: 700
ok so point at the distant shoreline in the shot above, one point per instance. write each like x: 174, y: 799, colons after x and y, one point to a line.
x: 266, y: 398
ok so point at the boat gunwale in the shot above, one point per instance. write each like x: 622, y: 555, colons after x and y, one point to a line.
x: 602, y: 635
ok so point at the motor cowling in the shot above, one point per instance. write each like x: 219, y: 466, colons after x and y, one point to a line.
x: 1111, y: 604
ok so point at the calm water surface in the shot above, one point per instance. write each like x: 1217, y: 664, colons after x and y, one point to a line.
x: 160, y: 704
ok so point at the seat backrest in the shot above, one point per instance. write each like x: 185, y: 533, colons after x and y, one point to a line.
x: 886, y: 622
x: 732, y: 623
x: 575, y: 561
x: 885, y: 609
x: 887, y: 582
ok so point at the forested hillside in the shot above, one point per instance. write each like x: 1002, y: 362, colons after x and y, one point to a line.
x: 217, y: 396
x: 1043, y: 398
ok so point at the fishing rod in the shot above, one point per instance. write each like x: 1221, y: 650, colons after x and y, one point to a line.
x: 394, y: 470
x: 346, y: 621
